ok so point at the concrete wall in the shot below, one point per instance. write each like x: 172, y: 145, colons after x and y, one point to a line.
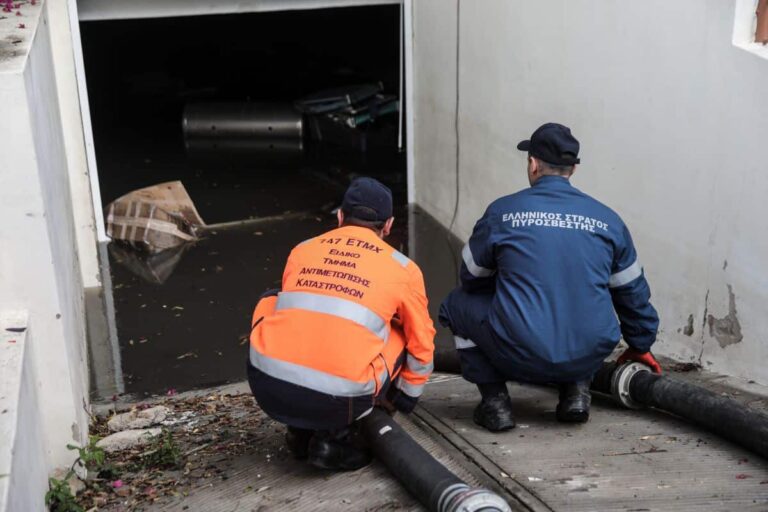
x: 672, y: 121
x: 23, y: 465
x: 74, y: 141
x: 38, y: 248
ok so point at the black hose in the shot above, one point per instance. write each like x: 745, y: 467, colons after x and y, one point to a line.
x: 601, y: 382
x: 723, y: 416
x: 447, y: 360
x: 430, y: 482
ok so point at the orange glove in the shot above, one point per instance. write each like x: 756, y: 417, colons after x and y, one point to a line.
x: 645, y: 358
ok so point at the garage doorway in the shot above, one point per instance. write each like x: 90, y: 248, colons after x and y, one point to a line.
x: 182, y: 322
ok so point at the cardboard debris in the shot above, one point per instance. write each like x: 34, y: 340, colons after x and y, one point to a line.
x: 154, y: 218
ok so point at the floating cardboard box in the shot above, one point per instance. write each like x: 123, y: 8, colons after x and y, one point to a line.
x: 155, y: 218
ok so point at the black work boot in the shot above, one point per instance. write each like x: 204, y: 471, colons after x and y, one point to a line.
x: 297, y: 440
x: 574, y: 402
x: 495, y: 413
x: 340, y: 450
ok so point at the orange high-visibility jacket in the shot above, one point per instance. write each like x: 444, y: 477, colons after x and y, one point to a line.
x: 348, y: 305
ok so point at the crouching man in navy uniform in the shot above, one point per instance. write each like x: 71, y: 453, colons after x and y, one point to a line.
x: 544, y: 277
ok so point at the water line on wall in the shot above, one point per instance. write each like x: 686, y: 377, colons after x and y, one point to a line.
x: 456, y: 116
x: 457, y: 257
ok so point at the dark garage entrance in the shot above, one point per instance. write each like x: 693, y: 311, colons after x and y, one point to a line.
x: 185, y: 323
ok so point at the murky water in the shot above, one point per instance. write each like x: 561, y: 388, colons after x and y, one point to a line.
x: 191, y: 330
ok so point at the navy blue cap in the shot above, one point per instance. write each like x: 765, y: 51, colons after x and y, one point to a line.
x: 554, y: 144
x: 367, y: 199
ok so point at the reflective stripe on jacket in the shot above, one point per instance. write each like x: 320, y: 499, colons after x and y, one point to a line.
x: 342, y: 292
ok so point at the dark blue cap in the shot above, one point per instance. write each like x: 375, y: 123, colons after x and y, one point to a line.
x: 554, y: 144
x: 367, y: 199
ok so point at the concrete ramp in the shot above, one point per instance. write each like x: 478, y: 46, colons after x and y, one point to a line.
x: 264, y: 481
x: 620, y: 460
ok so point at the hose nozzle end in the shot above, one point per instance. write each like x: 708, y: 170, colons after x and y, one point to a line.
x: 462, y: 498
x: 620, y: 383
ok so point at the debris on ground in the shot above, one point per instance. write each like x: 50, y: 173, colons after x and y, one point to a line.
x: 76, y: 485
x: 685, y: 367
x: 189, y: 448
x: 138, y: 418
x: 127, y: 439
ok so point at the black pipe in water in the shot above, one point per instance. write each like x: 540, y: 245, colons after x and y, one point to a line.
x: 632, y: 384
x: 436, y: 487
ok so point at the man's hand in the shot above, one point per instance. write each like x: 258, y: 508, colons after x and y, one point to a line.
x: 645, y: 358
x: 385, y: 404
x: 396, y: 400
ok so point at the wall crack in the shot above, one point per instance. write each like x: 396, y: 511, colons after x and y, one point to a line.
x: 703, y: 325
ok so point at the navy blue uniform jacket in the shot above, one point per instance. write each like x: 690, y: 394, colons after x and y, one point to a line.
x: 566, y: 278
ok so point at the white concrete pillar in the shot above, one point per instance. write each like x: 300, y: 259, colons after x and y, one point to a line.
x: 38, y: 248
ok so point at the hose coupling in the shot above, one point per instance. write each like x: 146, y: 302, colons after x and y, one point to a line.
x: 462, y: 498
x: 620, y: 380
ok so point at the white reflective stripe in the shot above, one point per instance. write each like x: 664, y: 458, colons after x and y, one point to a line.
x: 335, y: 306
x: 462, y: 343
x: 474, y: 269
x: 626, y: 276
x: 401, y: 258
x: 310, y: 378
x: 365, y: 413
x: 417, y: 367
x: 412, y: 390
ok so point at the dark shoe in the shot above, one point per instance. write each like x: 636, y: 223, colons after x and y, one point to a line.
x: 574, y: 402
x: 297, y: 440
x: 495, y: 413
x: 340, y: 450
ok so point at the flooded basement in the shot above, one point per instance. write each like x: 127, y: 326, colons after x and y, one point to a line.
x: 291, y: 106
x: 184, y: 323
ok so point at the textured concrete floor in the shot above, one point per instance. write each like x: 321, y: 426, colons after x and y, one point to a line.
x: 266, y: 479
x: 621, y: 460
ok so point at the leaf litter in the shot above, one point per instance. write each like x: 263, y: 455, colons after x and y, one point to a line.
x: 200, y: 435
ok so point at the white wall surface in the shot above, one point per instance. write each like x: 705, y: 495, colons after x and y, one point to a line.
x: 23, y: 464
x: 74, y: 142
x: 672, y: 119
x: 38, y: 249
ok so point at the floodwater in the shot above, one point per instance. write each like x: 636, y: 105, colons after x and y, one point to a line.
x: 191, y: 330
x: 182, y: 319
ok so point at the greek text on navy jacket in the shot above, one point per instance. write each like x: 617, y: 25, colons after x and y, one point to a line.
x: 563, y: 267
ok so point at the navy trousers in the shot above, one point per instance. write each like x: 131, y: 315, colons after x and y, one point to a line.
x: 467, y: 316
x: 484, y: 357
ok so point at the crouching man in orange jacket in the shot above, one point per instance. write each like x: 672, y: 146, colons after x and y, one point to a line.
x: 349, y: 330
